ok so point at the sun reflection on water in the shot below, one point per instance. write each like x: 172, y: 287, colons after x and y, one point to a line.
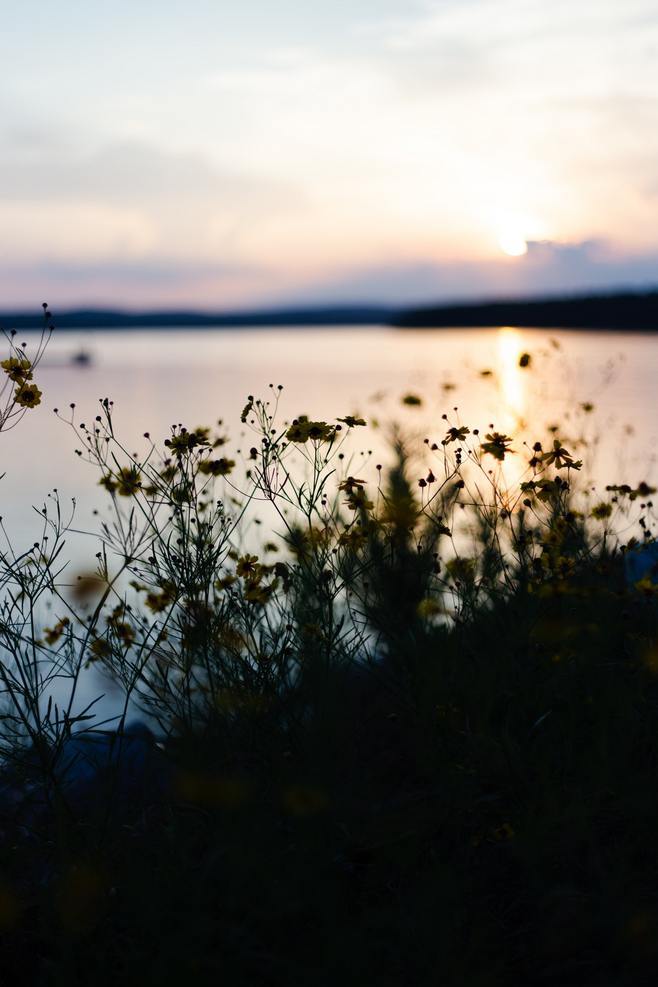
x: 511, y: 375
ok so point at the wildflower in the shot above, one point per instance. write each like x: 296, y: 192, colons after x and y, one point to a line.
x: 123, y: 631
x: 256, y: 592
x: 248, y: 408
x: 109, y: 483
x: 99, y: 649
x: 216, y: 467
x: 53, y: 634
x: 456, y: 435
x: 86, y: 586
x: 524, y: 360
x: 247, y: 565
x: 157, y: 602
x: 647, y: 586
x: 178, y: 444
x: 185, y: 442
x: 224, y: 582
x: 302, y: 430
x: 429, y: 608
x: 18, y: 369
x: 462, y: 570
x: 601, y: 511
x: 412, y: 400
x: 560, y: 457
x: 349, y: 483
x: 504, y: 832
x: 353, y: 538
x: 352, y: 422
x: 27, y: 395
x: 129, y: 481
x: 545, y: 490
x: 356, y: 494
x: 497, y: 445
x: 230, y: 638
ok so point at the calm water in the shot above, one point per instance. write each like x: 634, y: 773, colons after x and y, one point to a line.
x: 159, y: 378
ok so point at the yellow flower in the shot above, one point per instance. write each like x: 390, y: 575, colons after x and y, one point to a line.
x: 302, y: 430
x: 216, y: 467
x: 53, y: 634
x: 497, y: 445
x: 99, y: 649
x: 351, y: 421
x: 224, y: 582
x: 157, y: 602
x: 17, y: 369
x: 247, y: 565
x: 107, y: 482
x: 356, y: 495
x: 256, y: 592
x: 27, y: 395
x: 129, y: 481
x: 185, y: 441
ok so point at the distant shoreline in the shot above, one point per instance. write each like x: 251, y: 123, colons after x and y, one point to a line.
x: 630, y: 311
x: 633, y: 311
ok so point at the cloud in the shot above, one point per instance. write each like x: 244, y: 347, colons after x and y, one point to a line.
x: 548, y: 268
x: 154, y: 282
x: 160, y: 282
x: 131, y: 172
x: 131, y: 198
x: 348, y: 152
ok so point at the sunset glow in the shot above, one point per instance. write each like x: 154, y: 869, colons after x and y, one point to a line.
x: 513, y: 244
x: 373, y: 151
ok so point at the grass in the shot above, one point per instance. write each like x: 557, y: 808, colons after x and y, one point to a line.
x: 405, y: 731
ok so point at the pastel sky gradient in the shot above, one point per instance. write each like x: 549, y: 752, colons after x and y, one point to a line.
x: 207, y: 154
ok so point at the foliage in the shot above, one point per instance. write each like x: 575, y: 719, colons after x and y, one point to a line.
x: 407, y: 733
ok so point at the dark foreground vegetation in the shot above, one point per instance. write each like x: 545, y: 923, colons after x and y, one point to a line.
x: 410, y: 739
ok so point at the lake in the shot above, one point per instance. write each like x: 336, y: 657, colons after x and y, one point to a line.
x: 158, y: 378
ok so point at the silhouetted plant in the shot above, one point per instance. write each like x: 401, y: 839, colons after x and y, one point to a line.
x: 416, y: 710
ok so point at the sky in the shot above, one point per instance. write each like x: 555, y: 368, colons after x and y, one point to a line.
x: 214, y: 155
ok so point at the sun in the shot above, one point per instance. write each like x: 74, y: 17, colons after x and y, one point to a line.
x: 512, y: 243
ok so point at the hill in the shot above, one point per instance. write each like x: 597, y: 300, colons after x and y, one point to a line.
x: 612, y: 311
